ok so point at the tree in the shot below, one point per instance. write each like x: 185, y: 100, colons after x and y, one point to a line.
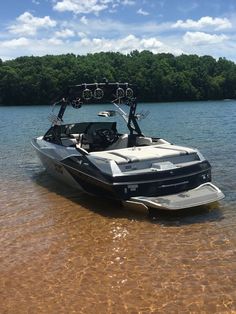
x: 159, y: 77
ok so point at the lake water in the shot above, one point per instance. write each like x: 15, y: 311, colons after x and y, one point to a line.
x: 65, y: 252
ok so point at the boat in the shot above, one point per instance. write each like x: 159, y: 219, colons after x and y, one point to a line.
x: 131, y: 167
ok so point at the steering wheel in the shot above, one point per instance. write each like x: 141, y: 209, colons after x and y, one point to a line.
x: 108, y: 136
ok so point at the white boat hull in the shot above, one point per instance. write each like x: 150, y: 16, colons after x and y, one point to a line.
x: 55, y: 164
x: 55, y: 169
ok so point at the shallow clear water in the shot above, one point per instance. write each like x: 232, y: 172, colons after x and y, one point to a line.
x: 66, y: 252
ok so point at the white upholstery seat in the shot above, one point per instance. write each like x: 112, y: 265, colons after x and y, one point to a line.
x: 122, y: 142
x: 75, y: 135
x: 68, y: 141
x: 143, y: 141
x: 79, y: 138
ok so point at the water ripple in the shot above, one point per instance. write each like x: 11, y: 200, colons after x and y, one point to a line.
x: 65, y: 252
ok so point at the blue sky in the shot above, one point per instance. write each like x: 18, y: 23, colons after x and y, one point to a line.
x: 39, y: 27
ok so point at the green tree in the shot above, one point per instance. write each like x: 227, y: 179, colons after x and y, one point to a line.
x: 159, y: 77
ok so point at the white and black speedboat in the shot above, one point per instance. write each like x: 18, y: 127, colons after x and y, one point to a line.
x: 132, y: 167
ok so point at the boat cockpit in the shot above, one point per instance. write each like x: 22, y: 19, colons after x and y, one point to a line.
x: 96, y: 136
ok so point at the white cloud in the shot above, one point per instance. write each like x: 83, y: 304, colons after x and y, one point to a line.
x: 35, y: 2
x: 39, y: 47
x: 90, y: 6
x: 200, y: 38
x: 142, y: 12
x: 204, y: 22
x: 82, y: 6
x: 123, y: 45
x: 15, y: 43
x: 194, y: 42
x: 64, y: 33
x: 81, y: 34
x: 128, y: 2
x: 114, y: 8
x: 84, y: 20
x: 55, y: 41
x: 110, y: 28
x: 27, y: 24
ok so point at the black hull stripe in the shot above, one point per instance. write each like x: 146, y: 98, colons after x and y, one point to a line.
x: 134, y: 182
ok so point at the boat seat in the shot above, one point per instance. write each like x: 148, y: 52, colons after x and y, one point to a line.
x: 68, y: 141
x: 80, y: 139
x: 76, y: 135
x: 143, y: 141
x: 122, y: 142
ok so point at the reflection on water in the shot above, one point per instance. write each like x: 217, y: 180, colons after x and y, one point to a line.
x: 65, y: 252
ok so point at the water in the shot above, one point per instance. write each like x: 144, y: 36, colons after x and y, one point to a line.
x: 65, y: 252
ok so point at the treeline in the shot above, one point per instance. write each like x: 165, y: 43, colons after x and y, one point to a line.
x: 160, y: 77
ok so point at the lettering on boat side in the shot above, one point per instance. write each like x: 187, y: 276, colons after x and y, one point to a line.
x: 133, y: 187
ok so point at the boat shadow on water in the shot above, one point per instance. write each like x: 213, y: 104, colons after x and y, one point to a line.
x: 114, y: 209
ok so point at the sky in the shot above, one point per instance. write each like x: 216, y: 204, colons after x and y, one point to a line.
x: 40, y: 27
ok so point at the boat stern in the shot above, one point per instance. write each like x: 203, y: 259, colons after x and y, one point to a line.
x: 206, y: 193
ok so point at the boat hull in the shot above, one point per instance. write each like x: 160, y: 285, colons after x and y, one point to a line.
x: 56, y: 169
x: 201, y: 195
